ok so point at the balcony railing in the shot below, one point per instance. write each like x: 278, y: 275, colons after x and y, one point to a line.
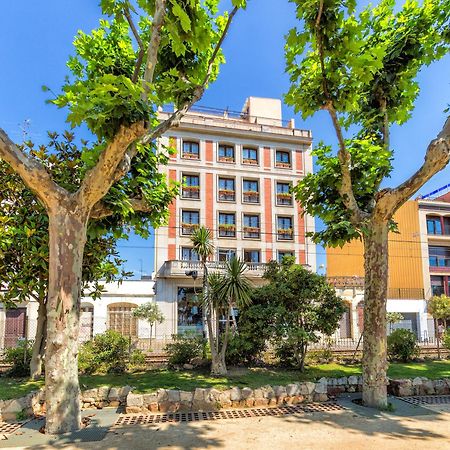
x: 251, y: 197
x: 393, y: 292
x: 178, y: 268
x: 251, y: 232
x: 191, y: 192
x: 189, y: 155
x: 284, y: 199
x: 227, y: 195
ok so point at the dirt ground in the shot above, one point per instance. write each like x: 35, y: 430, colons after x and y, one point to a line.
x: 338, y: 430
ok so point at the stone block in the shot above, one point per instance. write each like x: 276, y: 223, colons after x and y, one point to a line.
x: 173, y: 395
x: 135, y: 400
x: 235, y: 394
x: 212, y: 395
x: 188, y: 366
x: 428, y: 387
x: 291, y: 389
x: 124, y: 391
x: 321, y: 387
x: 268, y: 392
x: 114, y: 394
x: 400, y: 388
x: 280, y: 391
x: 320, y: 397
x: 102, y: 393
x: 441, y: 387
x: 133, y: 409
x: 114, y: 403
x: 249, y: 402
x: 150, y: 398
x: 352, y: 380
x: 199, y: 394
x: 336, y: 390
x: 162, y: 395
x: 153, y: 407
x: 258, y: 393
x: 90, y: 395
x: 342, y: 381
x: 246, y: 393
x: 186, y: 396
x: 169, y: 407
x: 306, y: 388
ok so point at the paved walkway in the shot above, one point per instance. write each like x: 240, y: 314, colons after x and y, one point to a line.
x: 409, y: 427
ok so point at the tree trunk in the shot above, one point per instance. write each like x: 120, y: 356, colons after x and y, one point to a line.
x: 39, y: 341
x: 374, y: 363
x: 67, y: 236
x: 218, y: 366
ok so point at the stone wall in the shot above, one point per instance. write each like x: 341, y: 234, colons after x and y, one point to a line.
x: 169, y: 400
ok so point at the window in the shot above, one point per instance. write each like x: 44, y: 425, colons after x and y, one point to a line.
x: 250, y: 156
x: 434, y: 225
x: 191, y: 186
x: 191, y: 150
x: 282, y: 254
x: 189, y: 254
x: 447, y: 226
x: 227, y: 191
x: 190, y: 314
x: 190, y: 220
x: 437, y: 285
x: 251, y: 227
x: 284, y: 196
x: 121, y: 319
x: 284, y: 228
x: 282, y: 159
x: 250, y: 191
x: 225, y: 254
x: 252, y: 256
x: 439, y: 256
x: 227, y: 225
x: 226, y: 153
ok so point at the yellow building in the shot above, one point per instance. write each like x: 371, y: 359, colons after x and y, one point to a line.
x: 419, y: 267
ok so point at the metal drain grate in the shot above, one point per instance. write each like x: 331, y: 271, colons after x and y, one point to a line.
x: 427, y: 400
x: 9, y: 428
x: 143, y: 419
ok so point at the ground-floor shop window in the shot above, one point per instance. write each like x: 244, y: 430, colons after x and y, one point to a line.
x: 190, y: 312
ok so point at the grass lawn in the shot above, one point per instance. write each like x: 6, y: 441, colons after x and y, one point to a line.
x: 254, y: 377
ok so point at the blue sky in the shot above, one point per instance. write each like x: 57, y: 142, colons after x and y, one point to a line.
x: 36, y: 39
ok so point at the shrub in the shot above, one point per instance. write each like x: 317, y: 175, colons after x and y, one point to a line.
x: 446, y: 339
x: 137, y: 359
x: 185, y: 347
x: 19, y: 357
x: 402, y: 345
x: 106, y: 353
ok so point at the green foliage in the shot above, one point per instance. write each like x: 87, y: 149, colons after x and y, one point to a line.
x: 19, y: 357
x: 439, y: 306
x: 149, y: 312
x: 363, y: 66
x: 255, y: 329
x: 24, y: 222
x: 306, y: 307
x: 394, y: 317
x: 105, y: 353
x: 185, y: 347
x: 201, y: 239
x: 446, y: 339
x: 137, y: 359
x: 402, y: 345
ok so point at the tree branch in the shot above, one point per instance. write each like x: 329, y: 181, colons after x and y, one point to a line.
x: 100, y: 178
x: 346, y: 188
x: 32, y: 172
x: 141, y: 53
x: 101, y: 210
x: 436, y: 158
x: 153, y: 45
x: 175, y: 118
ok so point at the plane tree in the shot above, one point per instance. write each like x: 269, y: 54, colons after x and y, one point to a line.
x: 143, y: 55
x: 361, y: 68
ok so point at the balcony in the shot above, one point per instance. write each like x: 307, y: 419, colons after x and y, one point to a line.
x: 189, y: 155
x: 227, y: 195
x: 250, y: 161
x: 188, y: 228
x: 285, y: 234
x: 227, y: 230
x: 178, y: 268
x: 226, y: 159
x: 191, y: 192
x: 250, y: 197
x: 284, y: 199
x: 251, y: 232
x: 283, y: 165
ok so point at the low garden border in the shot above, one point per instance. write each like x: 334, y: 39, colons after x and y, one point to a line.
x: 211, y: 399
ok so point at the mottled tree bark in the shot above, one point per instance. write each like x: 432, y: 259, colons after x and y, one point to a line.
x: 37, y: 356
x: 67, y: 232
x: 374, y: 363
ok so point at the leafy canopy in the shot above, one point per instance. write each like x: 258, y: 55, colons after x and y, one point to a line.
x: 24, y: 251
x: 364, y: 66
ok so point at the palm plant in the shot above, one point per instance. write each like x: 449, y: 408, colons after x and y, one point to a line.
x: 226, y: 291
